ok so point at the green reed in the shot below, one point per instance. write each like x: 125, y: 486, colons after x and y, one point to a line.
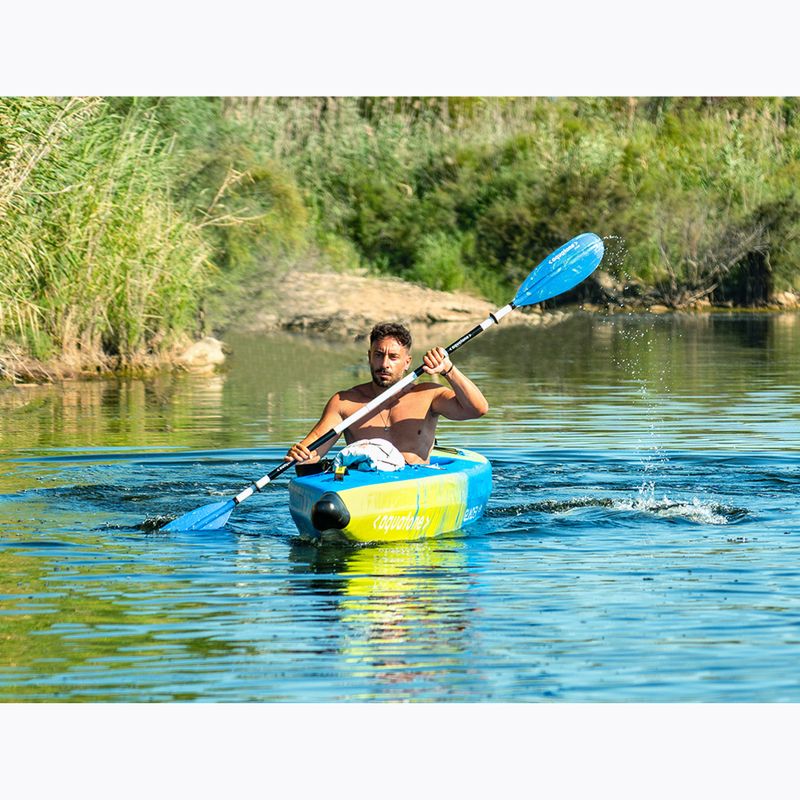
x: 113, y: 210
x: 97, y: 261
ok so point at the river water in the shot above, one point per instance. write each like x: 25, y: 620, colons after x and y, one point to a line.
x: 642, y: 541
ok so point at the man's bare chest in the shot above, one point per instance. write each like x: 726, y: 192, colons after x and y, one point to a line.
x: 404, y: 410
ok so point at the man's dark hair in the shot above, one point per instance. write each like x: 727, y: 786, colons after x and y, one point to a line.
x: 393, y: 329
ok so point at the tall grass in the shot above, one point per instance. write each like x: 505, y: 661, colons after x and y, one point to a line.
x: 96, y: 260
x: 113, y: 210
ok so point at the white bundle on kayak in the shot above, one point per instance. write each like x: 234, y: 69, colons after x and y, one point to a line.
x: 370, y: 455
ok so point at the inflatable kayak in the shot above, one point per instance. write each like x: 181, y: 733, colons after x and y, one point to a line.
x: 416, y: 502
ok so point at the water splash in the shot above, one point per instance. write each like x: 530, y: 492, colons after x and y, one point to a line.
x: 614, y: 262
x: 615, y: 255
x: 703, y: 512
x: 694, y: 510
x: 155, y: 523
x: 645, y: 371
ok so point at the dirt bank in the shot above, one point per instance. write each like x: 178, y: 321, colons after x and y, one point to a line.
x: 349, y: 304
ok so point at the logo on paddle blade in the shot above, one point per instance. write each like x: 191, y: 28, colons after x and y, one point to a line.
x: 560, y: 255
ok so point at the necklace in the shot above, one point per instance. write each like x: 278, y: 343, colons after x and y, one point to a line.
x: 387, y: 420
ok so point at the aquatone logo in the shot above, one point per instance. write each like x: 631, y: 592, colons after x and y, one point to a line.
x: 561, y: 255
x: 406, y: 522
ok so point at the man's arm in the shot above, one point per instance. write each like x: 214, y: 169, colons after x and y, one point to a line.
x: 464, y: 400
x: 330, y: 418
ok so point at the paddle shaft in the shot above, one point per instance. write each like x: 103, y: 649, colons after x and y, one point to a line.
x: 334, y: 432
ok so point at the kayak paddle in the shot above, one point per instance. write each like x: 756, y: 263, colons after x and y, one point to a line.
x: 562, y: 270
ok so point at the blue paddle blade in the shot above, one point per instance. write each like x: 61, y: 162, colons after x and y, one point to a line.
x: 208, y: 518
x: 561, y: 270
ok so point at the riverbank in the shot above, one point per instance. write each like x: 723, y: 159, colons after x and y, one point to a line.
x: 17, y: 367
x: 345, y: 306
x: 307, y: 300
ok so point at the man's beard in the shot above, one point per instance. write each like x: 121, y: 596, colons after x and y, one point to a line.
x: 384, y: 381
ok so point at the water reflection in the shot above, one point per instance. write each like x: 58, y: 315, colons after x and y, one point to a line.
x: 156, y: 411
x: 404, y: 610
x: 273, y: 387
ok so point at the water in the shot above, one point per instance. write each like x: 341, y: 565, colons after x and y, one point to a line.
x: 641, y: 542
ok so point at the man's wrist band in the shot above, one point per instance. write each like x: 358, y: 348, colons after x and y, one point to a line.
x: 445, y: 374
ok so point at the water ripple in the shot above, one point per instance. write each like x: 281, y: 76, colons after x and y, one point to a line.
x: 641, y: 543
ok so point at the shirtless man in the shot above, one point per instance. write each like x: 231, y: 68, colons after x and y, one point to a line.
x: 408, y: 420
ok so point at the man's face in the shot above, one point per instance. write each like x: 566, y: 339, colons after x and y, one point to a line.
x: 388, y: 360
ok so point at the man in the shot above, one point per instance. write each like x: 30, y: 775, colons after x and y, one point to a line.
x: 408, y: 420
